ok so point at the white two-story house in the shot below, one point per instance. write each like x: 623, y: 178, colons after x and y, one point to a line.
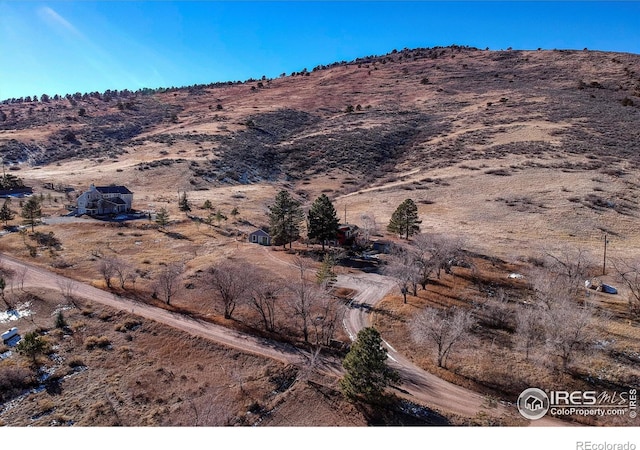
x: 104, y: 200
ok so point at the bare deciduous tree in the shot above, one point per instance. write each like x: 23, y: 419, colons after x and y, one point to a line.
x: 629, y: 274
x: 328, y: 313
x: 433, y: 252
x: 107, y: 268
x: 498, y: 311
x: 122, y: 270
x: 444, y: 328
x: 402, y: 267
x: 529, y: 329
x: 67, y: 288
x: 230, y: 280
x: 168, y: 282
x: 368, y: 228
x: 21, y: 274
x: 549, y: 287
x: 567, y: 329
x: 263, y: 296
x: 304, y: 295
x: 570, y: 263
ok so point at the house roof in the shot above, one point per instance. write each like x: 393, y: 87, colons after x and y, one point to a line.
x: 116, y: 201
x: 113, y: 190
x: 259, y: 232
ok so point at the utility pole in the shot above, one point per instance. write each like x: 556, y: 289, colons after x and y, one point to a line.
x: 604, y: 259
x: 345, y: 214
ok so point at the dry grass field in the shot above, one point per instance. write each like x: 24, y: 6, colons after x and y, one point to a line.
x: 519, y: 153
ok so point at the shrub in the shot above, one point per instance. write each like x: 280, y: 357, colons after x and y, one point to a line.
x: 627, y: 102
x: 60, y: 322
x: 14, y: 380
x: 93, y: 341
x: 75, y: 362
x: 128, y: 325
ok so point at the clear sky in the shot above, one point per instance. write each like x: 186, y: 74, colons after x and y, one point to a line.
x: 59, y: 47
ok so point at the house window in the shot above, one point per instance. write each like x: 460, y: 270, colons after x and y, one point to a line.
x: 254, y: 238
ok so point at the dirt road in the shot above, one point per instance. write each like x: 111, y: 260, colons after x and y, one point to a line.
x: 39, y: 277
x: 422, y: 386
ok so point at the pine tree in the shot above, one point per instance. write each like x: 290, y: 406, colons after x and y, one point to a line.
x: 285, y: 218
x: 162, y: 217
x: 325, y: 275
x: 404, y: 219
x: 32, y: 345
x: 183, y: 203
x: 6, y: 213
x: 367, y: 374
x: 31, y: 212
x: 323, y: 220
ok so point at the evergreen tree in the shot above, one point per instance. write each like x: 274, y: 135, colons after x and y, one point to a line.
x: 220, y: 216
x: 285, y: 217
x: 9, y: 181
x: 6, y: 213
x: 31, y: 211
x: 60, y: 320
x: 323, y: 220
x: 367, y: 373
x: 162, y: 217
x: 404, y: 220
x: 207, y: 204
x: 32, y: 345
x: 183, y: 203
x: 325, y: 274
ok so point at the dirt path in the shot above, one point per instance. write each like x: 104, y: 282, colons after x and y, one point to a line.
x: 420, y: 385
x: 39, y: 277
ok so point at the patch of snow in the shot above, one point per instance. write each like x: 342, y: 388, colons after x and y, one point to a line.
x: 14, y: 314
x: 60, y: 308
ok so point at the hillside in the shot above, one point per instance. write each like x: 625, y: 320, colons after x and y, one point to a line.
x: 422, y: 116
x: 517, y: 153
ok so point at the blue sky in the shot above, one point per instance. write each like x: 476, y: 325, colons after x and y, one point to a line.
x: 59, y: 47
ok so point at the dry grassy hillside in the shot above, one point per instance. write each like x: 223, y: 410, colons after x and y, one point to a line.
x: 518, y: 152
x: 548, y: 139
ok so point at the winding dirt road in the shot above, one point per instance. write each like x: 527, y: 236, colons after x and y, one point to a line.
x: 418, y: 384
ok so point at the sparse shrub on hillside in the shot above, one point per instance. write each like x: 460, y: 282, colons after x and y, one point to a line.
x: 627, y: 102
x: 128, y: 325
x: 14, y: 380
x: 92, y: 342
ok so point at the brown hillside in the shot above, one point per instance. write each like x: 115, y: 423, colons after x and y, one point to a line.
x: 517, y: 152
